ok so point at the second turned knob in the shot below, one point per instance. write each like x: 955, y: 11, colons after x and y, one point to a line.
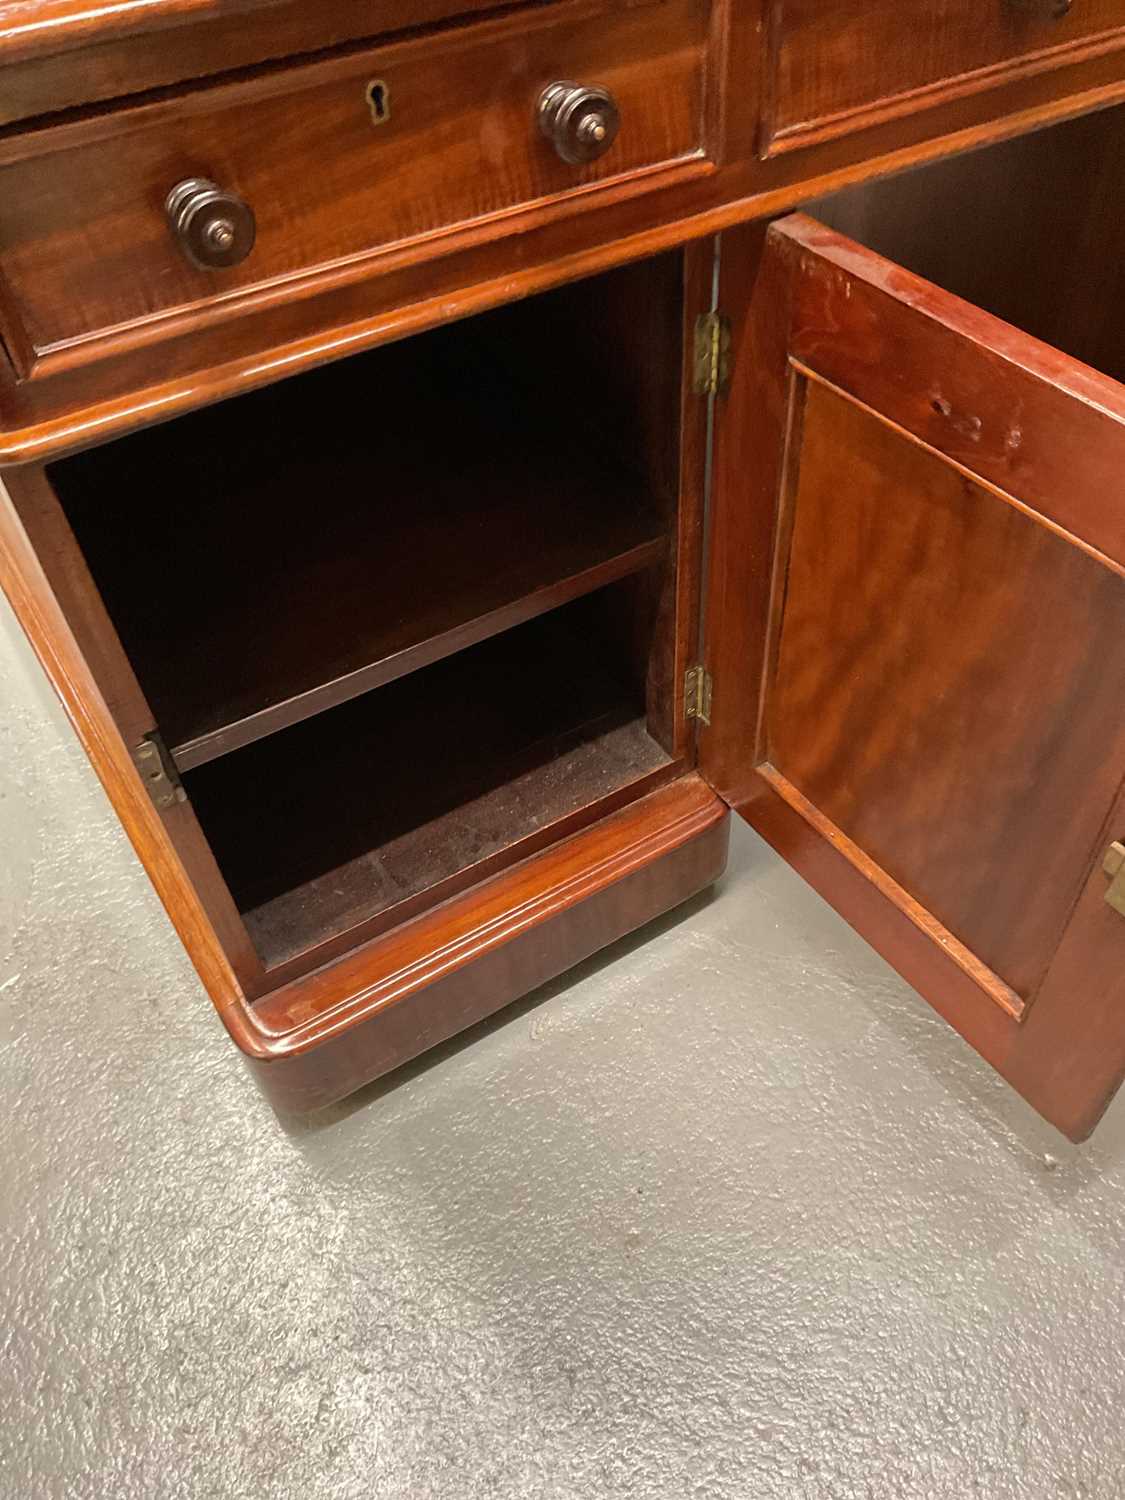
x: 580, y: 120
x: 213, y: 227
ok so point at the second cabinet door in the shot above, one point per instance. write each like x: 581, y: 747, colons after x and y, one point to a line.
x: 917, y: 639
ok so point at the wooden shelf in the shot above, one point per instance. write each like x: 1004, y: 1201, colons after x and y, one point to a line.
x: 416, y: 503
x: 525, y: 547
x: 428, y: 785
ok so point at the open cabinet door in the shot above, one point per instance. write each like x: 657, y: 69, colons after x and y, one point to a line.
x: 915, y: 629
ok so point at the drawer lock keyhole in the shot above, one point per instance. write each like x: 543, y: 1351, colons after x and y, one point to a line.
x: 379, y: 101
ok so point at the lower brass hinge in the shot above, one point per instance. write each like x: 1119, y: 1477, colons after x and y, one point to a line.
x: 1114, y: 866
x: 158, y: 771
x: 697, y: 694
x: 712, y: 354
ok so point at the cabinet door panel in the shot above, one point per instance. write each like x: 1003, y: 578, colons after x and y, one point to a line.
x: 919, y: 658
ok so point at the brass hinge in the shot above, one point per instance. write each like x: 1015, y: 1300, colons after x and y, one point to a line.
x: 1114, y: 866
x: 712, y: 354
x: 158, y: 772
x: 697, y: 694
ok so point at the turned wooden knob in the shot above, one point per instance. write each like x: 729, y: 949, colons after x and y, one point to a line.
x: 214, y: 228
x: 581, y: 121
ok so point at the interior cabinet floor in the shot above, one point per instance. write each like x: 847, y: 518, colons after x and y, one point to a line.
x: 519, y: 759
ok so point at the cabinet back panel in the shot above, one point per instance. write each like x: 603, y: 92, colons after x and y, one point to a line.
x: 269, y: 557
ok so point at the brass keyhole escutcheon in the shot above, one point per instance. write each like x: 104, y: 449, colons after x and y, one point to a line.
x: 1114, y: 866
x: 379, y: 101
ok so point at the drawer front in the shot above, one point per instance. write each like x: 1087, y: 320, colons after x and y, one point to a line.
x: 837, y: 65
x: 452, y: 147
x: 83, y: 58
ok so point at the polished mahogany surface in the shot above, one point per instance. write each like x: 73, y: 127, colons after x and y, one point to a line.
x: 60, y: 53
x: 946, y: 684
x: 455, y: 202
x: 838, y: 67
x: 334, y: 173
x: 319, y: 1038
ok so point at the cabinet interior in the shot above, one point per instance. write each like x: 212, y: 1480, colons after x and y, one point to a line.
x: 406, y: 618
x: 1025, y: 229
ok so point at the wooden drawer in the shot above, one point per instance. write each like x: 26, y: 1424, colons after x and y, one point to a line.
x: 87, y: 256
x: 55, y: 56
x: 837, y: 65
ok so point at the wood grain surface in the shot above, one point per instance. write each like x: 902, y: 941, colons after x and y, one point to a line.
x: 320, y: 1039
x: 85, y: 249
x: 915, y: 630
x: 836, y: 67
x: 947, y: 684
x: 200, y: 347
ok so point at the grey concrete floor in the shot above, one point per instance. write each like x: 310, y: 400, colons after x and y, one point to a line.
x: 728, y: 1213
